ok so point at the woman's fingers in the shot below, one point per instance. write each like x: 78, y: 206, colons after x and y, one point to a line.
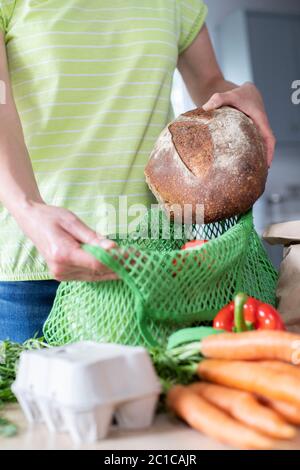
x: 86, y: 266
x: 261, y: 121
x: 63, y: 272
x: 72, y: 262
x: 269, y: 140
x: 217, y: 100
x: 82, y: 275
x: 75, y: 227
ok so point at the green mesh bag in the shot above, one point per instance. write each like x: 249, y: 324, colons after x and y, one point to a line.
x: 161, y: 287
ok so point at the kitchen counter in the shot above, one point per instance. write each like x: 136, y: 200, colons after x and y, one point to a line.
x: 166, y: 433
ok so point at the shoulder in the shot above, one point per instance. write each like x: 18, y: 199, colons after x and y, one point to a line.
x: 192, y: 15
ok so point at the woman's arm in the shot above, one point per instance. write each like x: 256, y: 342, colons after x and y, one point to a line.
x: 208, y: 88
x: 56, y: 232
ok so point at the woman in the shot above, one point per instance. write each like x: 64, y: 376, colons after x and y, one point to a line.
x: 87, y: 93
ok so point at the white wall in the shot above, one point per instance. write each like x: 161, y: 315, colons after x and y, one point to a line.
x: 218, y: 9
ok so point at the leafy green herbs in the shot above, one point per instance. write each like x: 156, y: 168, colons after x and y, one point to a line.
x: 7, y: 429
x: 9, y: 357
x: 176, y: 365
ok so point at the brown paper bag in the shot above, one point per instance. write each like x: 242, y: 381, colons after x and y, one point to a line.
x: 288, y: 288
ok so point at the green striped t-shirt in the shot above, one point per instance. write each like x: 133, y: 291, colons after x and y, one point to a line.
x: 92, y: 83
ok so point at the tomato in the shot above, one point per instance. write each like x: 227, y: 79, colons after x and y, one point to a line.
x: 193, y: 244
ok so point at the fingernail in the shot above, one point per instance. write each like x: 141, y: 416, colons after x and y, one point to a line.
x: 107, y: 244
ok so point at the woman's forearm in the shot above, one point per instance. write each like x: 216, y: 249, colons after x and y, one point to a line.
x: 18, y: 187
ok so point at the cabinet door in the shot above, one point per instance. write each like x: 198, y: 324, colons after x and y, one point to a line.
x: 275, y: 66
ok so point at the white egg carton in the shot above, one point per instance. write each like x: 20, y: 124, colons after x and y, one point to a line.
x: 79, y: 388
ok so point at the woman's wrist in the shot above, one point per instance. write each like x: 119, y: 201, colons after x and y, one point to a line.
x: 25, y: 206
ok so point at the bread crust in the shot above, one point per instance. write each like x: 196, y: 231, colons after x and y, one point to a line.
x: 214, y: 158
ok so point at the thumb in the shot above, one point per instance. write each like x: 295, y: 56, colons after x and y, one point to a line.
x: 215, y: 101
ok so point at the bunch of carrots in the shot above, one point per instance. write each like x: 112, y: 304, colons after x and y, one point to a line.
x: 249, y: 393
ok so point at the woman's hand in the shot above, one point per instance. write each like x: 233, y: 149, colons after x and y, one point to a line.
x: 247, y: 99
x: 58, y: 234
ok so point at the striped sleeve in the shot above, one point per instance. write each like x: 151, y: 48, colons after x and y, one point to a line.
x: 192, y: 17
x: 2, y: 21
x: 6, y: 11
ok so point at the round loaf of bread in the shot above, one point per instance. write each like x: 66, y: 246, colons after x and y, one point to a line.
x: 216, y: 159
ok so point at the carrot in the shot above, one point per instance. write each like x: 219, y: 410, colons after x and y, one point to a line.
x: 287, y: 410
x: 252, y: 377
x: 206, y: 418
x: 253, y: 345
x: 245, y: 408
x: 281, y: 367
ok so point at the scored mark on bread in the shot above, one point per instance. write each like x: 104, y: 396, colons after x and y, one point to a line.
x: 188, y: 138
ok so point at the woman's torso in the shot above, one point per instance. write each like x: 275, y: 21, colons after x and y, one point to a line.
x: 92, y: 83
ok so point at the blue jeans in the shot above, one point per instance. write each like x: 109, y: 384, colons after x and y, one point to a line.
x: 24, y: 307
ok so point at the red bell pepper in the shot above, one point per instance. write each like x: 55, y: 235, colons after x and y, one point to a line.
x: 247, y: 313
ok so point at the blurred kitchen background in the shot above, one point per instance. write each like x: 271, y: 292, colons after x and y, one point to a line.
x: 259, y: 40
